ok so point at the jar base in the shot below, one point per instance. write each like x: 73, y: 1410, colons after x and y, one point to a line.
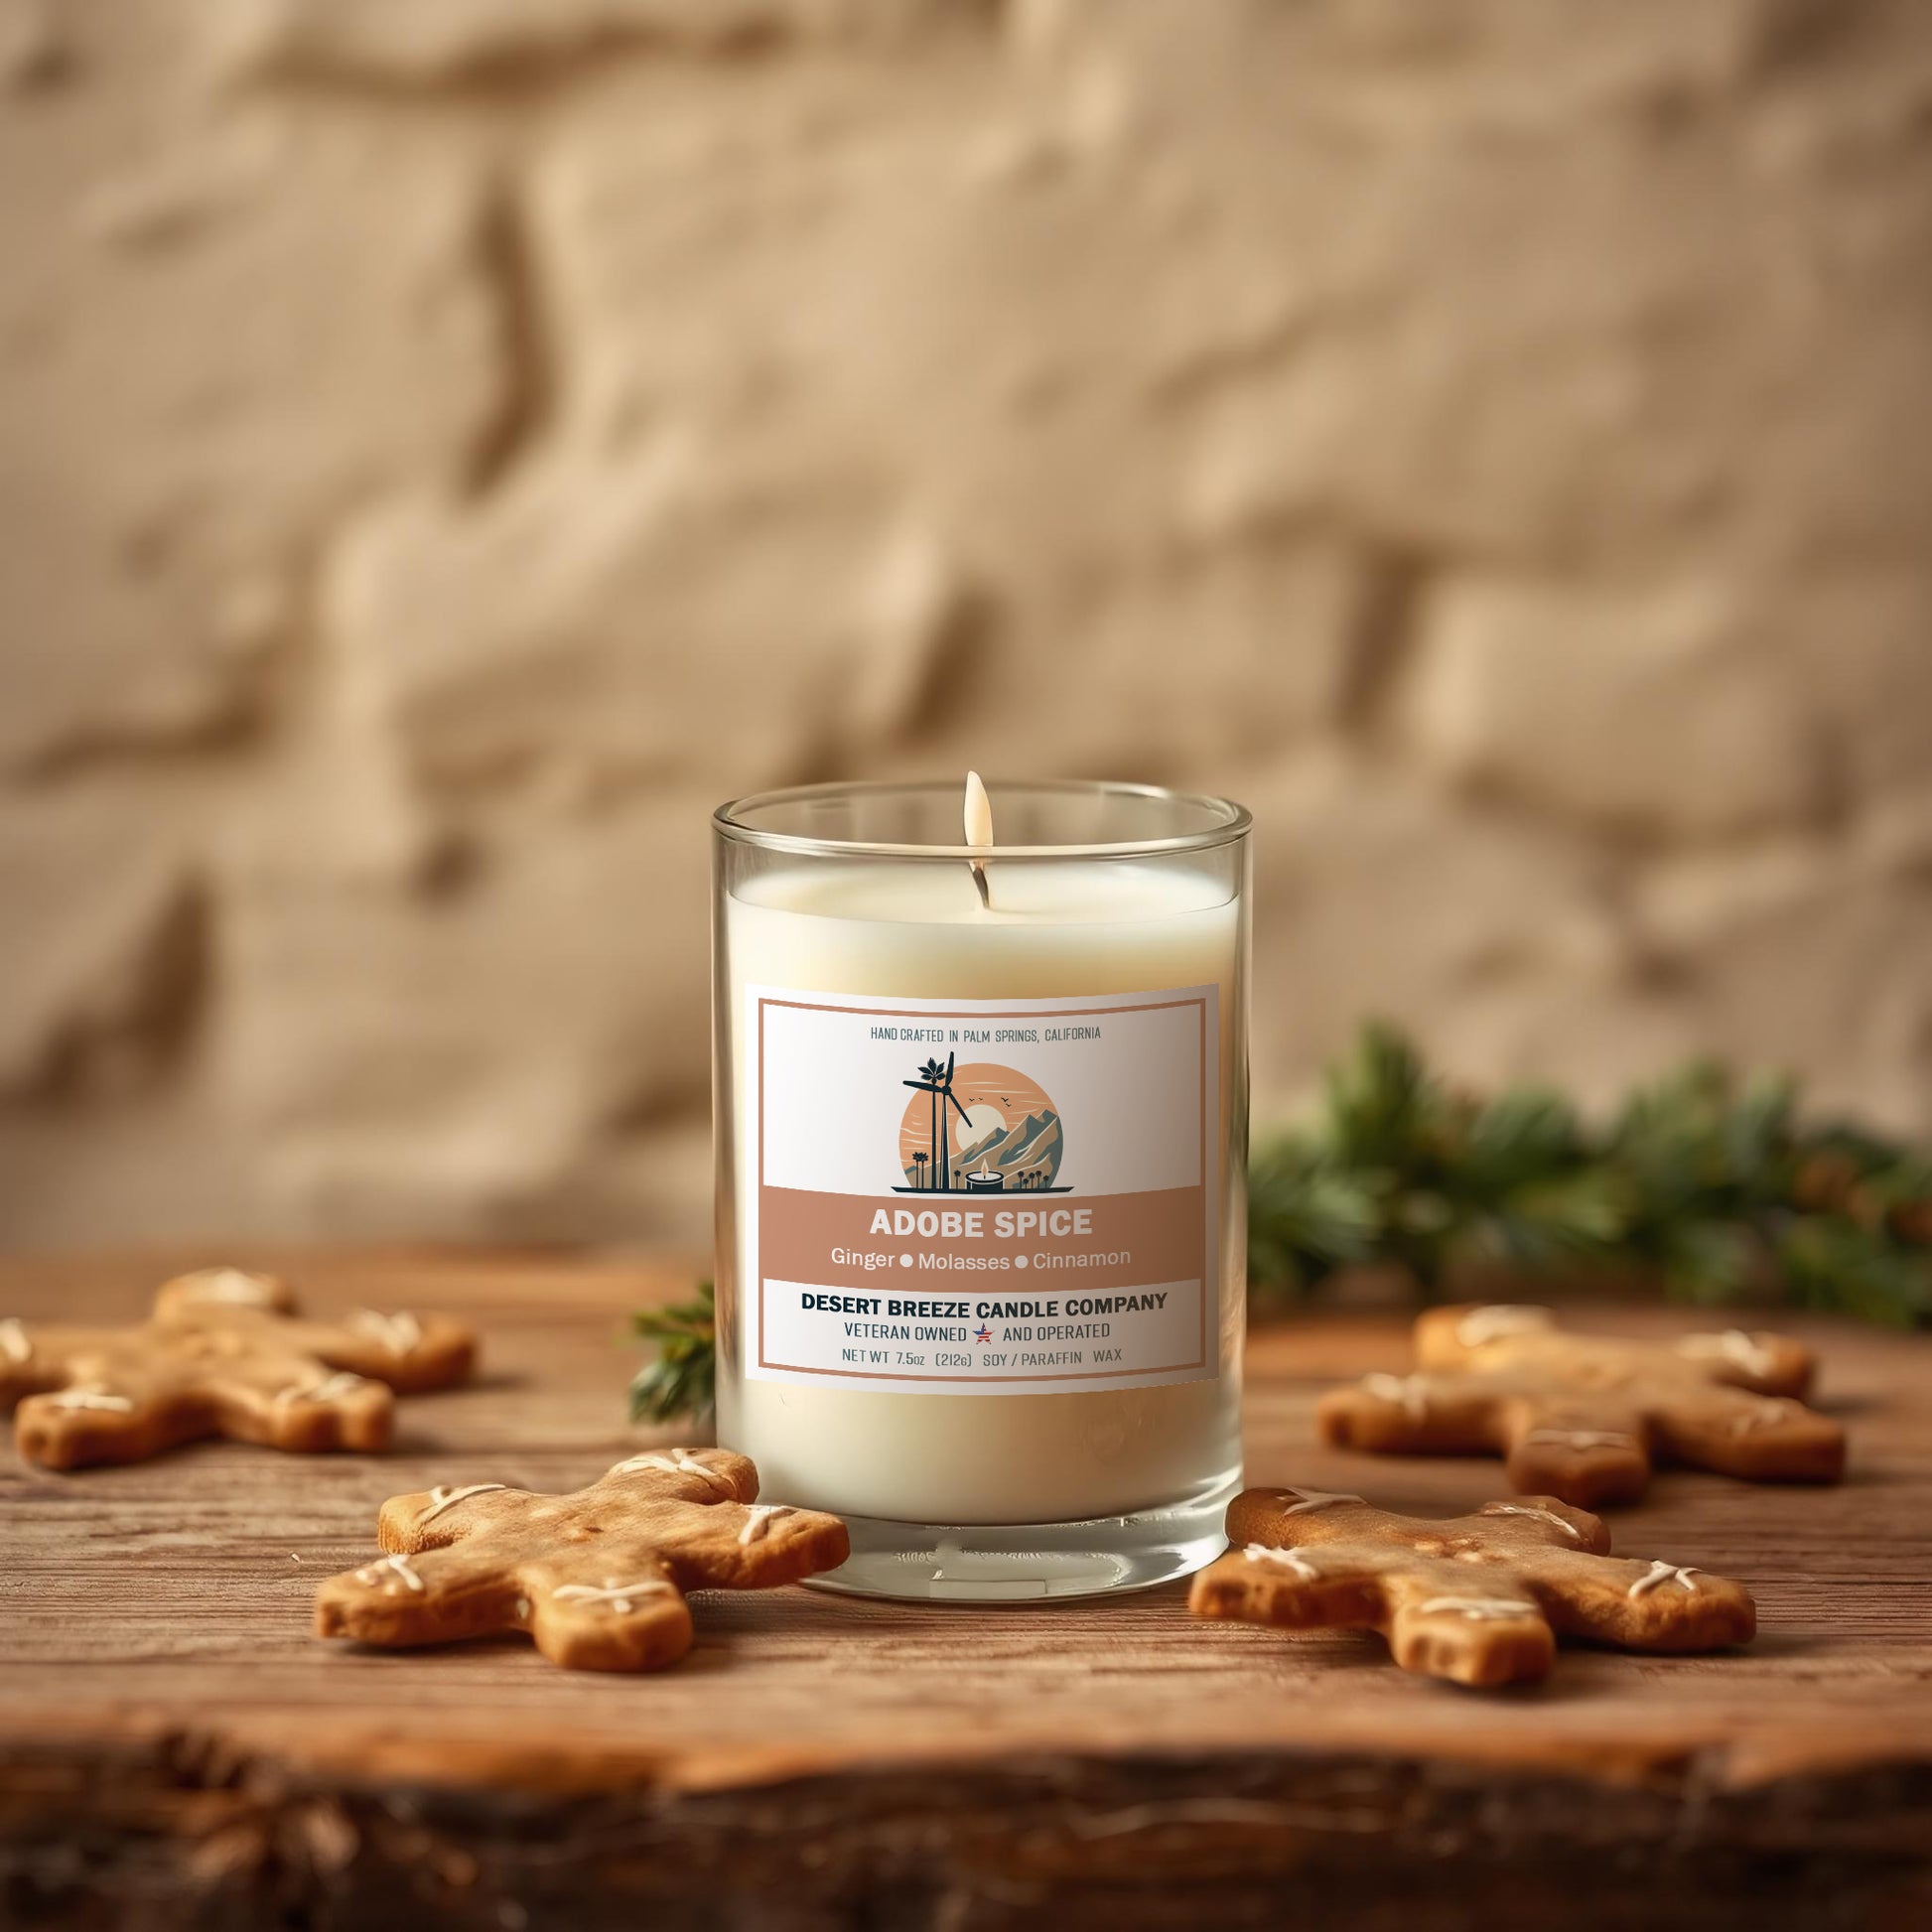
x: 1023, y: 1563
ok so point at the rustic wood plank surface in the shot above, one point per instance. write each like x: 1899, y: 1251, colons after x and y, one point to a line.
x: 175, y: 1748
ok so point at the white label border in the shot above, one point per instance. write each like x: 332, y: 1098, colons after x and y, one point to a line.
x: 750, y: 1183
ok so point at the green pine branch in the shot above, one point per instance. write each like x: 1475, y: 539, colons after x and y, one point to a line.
x: 1716, y: 1188
x: 681, y: 1378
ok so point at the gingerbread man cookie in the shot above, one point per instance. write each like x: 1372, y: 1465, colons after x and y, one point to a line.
x: 595, y: 1579
x: 1478, y: 1599
x: 223, y: 1354
x: 1585, y: 1416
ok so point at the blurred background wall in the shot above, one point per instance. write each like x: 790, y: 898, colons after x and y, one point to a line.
x: 446, y: 446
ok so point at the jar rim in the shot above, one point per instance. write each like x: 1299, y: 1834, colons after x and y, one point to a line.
x: 1224, y: 821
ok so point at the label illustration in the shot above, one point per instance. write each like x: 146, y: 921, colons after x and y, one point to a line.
x: 1035, y: 1215
x: 1006, y: 1143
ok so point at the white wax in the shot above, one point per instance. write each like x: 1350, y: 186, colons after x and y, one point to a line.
x: 1053, y: 929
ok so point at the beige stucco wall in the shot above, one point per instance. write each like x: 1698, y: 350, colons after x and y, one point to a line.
x: 447, y: 445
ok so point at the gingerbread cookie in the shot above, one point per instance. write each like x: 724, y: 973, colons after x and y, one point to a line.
x: 1478, y: 1599
x: 223, y: 1354
x: 1585, y: 1416
x: 595, y: 1579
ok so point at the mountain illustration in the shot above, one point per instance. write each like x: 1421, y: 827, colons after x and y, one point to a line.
x: 978, y: 1119
x: 1029, y: 1144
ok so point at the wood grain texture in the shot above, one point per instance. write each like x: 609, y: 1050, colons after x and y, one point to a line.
x: 176, y: 1749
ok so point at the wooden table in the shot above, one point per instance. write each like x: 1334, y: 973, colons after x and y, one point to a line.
x: 177, y: 1750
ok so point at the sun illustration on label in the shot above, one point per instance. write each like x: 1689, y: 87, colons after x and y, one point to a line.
x: 981, y: 1128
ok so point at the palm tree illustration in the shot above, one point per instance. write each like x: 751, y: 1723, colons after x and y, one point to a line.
x: 937, y: 1082
x: 918, y: 1171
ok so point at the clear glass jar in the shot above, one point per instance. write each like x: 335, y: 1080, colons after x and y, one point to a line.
x: 980, y: 1162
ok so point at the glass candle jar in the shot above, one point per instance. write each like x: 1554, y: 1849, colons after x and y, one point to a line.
x: 981, y: 1159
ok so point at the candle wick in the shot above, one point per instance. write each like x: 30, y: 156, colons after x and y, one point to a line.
x: 979, y: 831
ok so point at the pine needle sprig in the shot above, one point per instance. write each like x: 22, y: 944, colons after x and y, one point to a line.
x: 1430, y: 1178
x: 1715, y: 1187
x: 681, y: 1378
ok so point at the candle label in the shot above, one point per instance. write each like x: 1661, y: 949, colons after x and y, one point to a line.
x: 976, y: 1198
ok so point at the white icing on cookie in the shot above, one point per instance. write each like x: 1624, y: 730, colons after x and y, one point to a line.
x: 1661, y: 1573
x: 327, y: 1390
x: 1766, y: 1413
x: 620, y: 1596
x: 14, y: 1344
x: 1529, y: 1509
x: 391, y: 1571
x: 1294, y: 1559
x: 758, y: 1518
x: 117, y: 1404
x: 1479, y: 1609
x: 442, y: 1497
x: 1408, y: 1390
x: 398, y: 1333
x: 1583, y: 1438
x: 1499, y: 1320
x: 234, y: 1286
x: 677, y: 1463
x: 1313, y: 1499
x: 1734, y: 1346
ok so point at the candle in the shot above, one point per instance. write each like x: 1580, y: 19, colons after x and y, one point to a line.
x: 981, y: 1137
